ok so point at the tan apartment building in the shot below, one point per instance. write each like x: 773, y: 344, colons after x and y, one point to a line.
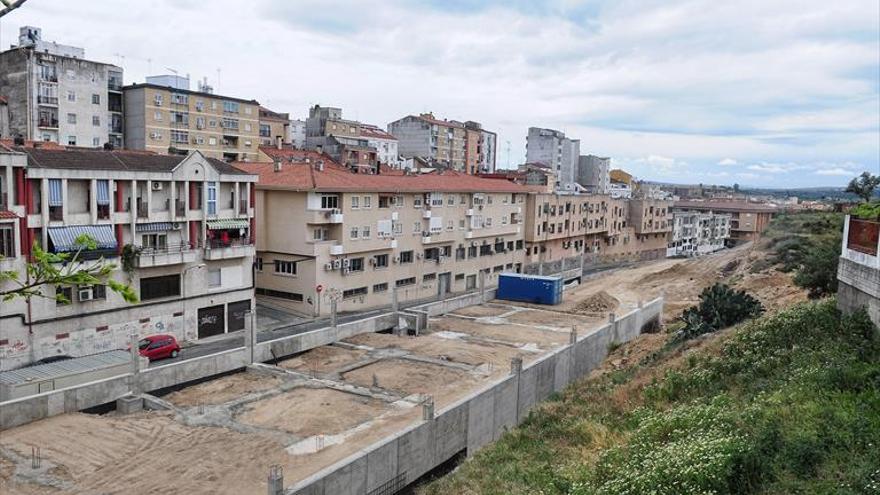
x: 273, y: 126
x: 463, y: 147
x: 169, y: 119
x: 747, y: 220
x: 325, y: 233
x: 179, y: 230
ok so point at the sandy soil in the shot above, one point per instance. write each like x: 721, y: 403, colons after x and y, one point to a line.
x: 483, y: 310
x: 408, y: 377
x: 223, y: 389
x: 304, y: 411
x: 323, y: 359
x: 553, y: 319
x: 512, y: 334
x: 453, y: 350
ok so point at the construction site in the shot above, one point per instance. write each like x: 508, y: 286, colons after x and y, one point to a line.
x: 373, y: 410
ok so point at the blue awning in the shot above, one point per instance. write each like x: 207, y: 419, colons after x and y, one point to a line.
x: 102, y: 197
x: 64, y: 238
x: 55, y: 198
x: 153, y: 227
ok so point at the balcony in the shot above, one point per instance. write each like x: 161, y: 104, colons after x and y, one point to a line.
x: 243, y: 207
x: 336, y: 250
x: 164, y: 256
x: 426, y: 213
x: 47, y: 100
x: 324, y: 216
x: 114, y: 85
x: 234, y: 248
x: 48, y: 123
x: 142, y: 211
x: 179, y: 208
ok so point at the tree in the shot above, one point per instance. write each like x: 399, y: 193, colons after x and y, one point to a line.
x: 62, y: 269
x: 720, y: 307
x: 736, y: 188
x: 863, y: 186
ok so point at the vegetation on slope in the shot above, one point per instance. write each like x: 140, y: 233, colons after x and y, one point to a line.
x: 787, y: 403
x: 809, y: 245
x: 720, y: 307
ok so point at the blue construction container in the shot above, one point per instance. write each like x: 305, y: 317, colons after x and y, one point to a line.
x: 530, y: 288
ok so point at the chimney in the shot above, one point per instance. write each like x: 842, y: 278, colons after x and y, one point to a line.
x: 19, y: 140
x: 319, y: 148
x: 319, y: 165
x: 277, y: 165
x: 278, y: 142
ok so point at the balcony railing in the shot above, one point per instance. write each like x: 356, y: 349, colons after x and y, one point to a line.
x: 220, y: 243
x: 47, y: 100
x: 167, y: 249
x: 50, y: 123
x: 114, y: 85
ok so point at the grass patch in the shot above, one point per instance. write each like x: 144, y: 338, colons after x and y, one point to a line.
x: 788, y: 403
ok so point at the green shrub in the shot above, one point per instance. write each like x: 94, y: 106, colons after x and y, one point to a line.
x: 720, y: 307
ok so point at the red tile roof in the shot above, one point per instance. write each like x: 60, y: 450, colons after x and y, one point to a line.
x: 301, y: 176
x: 373, y: 131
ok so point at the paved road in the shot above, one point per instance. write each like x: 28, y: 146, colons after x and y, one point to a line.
x: 236, y: 339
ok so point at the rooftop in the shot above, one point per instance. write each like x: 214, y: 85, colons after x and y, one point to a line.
x: 727, y: 206
x: 189, y: 92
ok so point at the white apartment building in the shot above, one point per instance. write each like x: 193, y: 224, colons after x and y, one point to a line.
x: 560, y: 153
x: 296, y: 133
x: 697, y: 233
x: 384, y: 143
x: 179, y: 230
x: 593, y: 173
x: 54, y: 94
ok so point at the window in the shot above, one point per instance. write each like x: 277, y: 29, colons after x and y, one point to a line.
x: 71, y: 96
x: 355, y: 202
x: 212, y: 123
x: 380, y: 287
x: 417, y: 227
x: 365, y: 232
x: 179, y: 98
x: 398, y: 201
x: 63, y: 296
x: 212, y: 198
x: 320, y: 234
x: 159, y: 287
x: 71, y: 118
x: 157, y: 116
x: 200, y: 106
x: 381, y: 261
x: 356, y: 264
x: 398, y: 228
x: 214, y: 278
x: 96, y: 142
x: 91, y: 292
x: 461, y: 224
x: 96, y: 121
x: 180, y: 137
x: 353, y: 233
x: 230, y: 106
x: 247, y: 127
x: 428, y: 277
x: 368, y: 201
x: 154, y: 241
x: 157, y: 99
x: 417, y: 202
x: 406, y: 257
x: 350, y: 293
x: 329, y: 202
x: 96, y: 99
x: 258, y: 264
x: 403, y: 282
x: 212, y: 141
x: 450, y: 225
x: 450, y: 200
x: 285, y: 267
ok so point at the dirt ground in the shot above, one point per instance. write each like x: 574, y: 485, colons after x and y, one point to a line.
x: 513, y: 334
x: 483, y: 310
x: 453, y: 350
x: 323, y: 359
x: 303, y: 411
x: 408, y: 377
x: 222, y: 390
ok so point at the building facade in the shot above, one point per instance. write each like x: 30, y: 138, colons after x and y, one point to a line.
x: 695, y: 233
x: 54, y: 94
x: 384, y: 143
x: 459, y: 146
x: 747, y: 220
x: 858, y: 270
x: 593, y: 173
x: 327, y: 235
x: 560, y: 153
x: 172, y: 119
x: 296, y: 133
x: 273, y: 127
x: 178, y: 229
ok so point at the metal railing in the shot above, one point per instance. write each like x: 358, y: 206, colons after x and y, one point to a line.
x: 167, y: 249
x: 47, y: 100
x: 53, y: 123
x: 220, y: 244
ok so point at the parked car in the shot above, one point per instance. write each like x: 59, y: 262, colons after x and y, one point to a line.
x: 158, y: 346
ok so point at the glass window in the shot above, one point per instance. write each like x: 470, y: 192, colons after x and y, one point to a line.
x: 212, y: 198
x: 214, y: 278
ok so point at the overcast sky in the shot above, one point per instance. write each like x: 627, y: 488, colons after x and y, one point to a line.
x: 757, y: 92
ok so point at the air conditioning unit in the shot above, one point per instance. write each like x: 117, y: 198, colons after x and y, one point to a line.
x: 337, y: 264
x: 156, y: 186
x: 346, y: 271
x: 346, y: 263
x: 328, y: 266
x: 426, y: 234
x: 175, y: 226
x: 85, y: 294
x: 397, y: 259
x: 480, y: 207
x: 373, y: 261
x: 419, y: 255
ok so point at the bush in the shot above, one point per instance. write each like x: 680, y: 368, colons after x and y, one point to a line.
x: 720, y: 307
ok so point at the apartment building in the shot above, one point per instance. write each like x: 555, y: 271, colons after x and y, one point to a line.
x: 459, y: 146
x: 695, y: 233
x: 296, y: 133
x: 384, y: 143
x: 593, y: 173
x: 179, y: 230
x: 747, y: 220
x: 54, y: 94
x: 325, y: 233
x: 552, y: 148
x: 163, y: 118
x: 346, y: 141
x: 273, y: 126
x: 4, y: 118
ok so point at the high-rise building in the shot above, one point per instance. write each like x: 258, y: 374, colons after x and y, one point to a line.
x: 463, y: 147
x: 165, y: 116
x: 593, y: 173
x: 54, y: 94
x: 558, y: 152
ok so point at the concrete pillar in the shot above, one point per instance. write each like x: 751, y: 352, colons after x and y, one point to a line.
x: 482, y: 278
x: 515, y: 365
x: 93, y: 201
x: 134, y: 383
x: 276, y: 480
x: 573, y: 336
x: 395, y: 304
x: 250, y: 336
x: 428, y: 409
x: 612, y: 319
x: 333, y: 312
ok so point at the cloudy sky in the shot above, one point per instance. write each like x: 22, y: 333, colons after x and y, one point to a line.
x: 756, y: 92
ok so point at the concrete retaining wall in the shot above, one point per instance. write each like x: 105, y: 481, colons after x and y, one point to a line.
x: 454, y: 303
x: 476, y: 420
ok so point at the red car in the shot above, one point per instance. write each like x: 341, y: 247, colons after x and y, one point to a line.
x: 158, y: 346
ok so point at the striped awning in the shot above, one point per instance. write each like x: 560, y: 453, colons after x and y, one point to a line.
x: 55, y: 197
x: 64, y: 238
x: 230, y: 223
x: 154, y: 227
x: 102, y: 196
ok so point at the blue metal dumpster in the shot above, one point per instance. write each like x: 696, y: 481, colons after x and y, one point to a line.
x: 529, y: 288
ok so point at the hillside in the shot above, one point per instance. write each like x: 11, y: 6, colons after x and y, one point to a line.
x: 787, y: 403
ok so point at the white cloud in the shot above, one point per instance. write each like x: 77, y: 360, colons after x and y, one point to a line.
x: 727, y: 162
x: 835, y: 171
